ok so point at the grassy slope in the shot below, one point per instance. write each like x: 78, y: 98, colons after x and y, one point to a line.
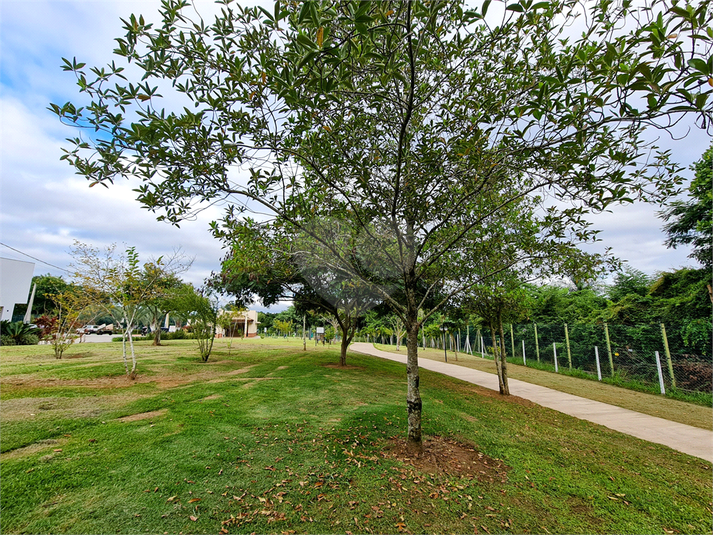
x: 655, y: 405
x: 277, y: 440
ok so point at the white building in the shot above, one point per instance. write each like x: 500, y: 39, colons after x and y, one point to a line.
x: 15, y: 282
x: 243, y: 323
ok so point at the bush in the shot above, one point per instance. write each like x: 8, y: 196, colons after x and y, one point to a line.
x: 7, y: 340
x: 29, y: 339
x: 21, y: 333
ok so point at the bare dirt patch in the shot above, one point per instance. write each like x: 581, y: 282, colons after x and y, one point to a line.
x: 79, y: 355
x: 447, y: 456
x: 32, y: 448
x: 142, y: 416
x: 214, y: 396
x: 63, y: 407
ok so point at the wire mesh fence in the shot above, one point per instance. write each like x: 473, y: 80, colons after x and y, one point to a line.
x: 623, y: 352
x: 655, y: 358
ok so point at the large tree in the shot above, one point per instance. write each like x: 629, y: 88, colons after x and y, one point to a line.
x: 426, y: 126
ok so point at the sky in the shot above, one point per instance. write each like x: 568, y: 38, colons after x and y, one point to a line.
x: 45, y: 207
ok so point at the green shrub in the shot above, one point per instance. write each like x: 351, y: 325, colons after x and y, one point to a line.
x: 21, y: 333
x: 7, y: 340
x: 29, y: 339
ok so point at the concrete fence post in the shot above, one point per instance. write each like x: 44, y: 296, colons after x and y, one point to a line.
x: 554, y: 349
x: 668, y: 356
x: 658, y: 369
x: 512, y: 341
x: 569, y: 353
x: 611, y: 357
x: 524, y: 359
x: 599, y: 368
x: 537, y: 344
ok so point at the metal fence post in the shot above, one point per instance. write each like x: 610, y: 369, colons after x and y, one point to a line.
x: 658, y: 369
x: 569, y: 353
x: 599, y: 368
x: 611, y: 358
x: 537, y: 344
x: 524, y: 359
x: 554, y: 349
x: 668, y: 356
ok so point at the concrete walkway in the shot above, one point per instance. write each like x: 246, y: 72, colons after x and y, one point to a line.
x: 684, y: 438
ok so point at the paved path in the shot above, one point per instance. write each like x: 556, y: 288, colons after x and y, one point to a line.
x: 685, y: 438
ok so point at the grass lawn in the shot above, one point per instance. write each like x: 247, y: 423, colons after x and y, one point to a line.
x: 267, y: 438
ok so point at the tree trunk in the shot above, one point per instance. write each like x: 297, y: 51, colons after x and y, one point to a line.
x: 503, y: 382
x: 156, y: 330
x: 498, y: 361
x: 413, y: 393
x: 346, y: 339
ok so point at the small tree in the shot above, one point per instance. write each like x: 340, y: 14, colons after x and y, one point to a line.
x: 283, y: 327
x: 201, y: 313
x: 119, y: 284
x: 60, y: 329
x: 397, y: 327
x: 164, y: 284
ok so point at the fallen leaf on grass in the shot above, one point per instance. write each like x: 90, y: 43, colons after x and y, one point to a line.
x: 194, y: 500
x: 172, y: 498
x: 193, y: 518
x: 58, y: 450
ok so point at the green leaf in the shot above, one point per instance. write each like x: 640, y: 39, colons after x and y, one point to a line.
x: 515, y: 7
x: 304, y: 12
x: 700, y: 65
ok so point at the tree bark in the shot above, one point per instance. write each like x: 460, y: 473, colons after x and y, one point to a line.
x: 496, y: 357
x: 503, y: 382
x: 413, y: 393
x: 346, y: 340
x: 156, y: 330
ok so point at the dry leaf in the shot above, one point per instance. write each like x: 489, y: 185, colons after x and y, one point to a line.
x: 193, y: 500
x: 193, y: 518
x: 320, y: 36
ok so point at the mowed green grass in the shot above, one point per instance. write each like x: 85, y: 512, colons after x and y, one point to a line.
x: 267, y: 438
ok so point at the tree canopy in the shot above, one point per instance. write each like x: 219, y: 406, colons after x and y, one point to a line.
x: 691, y: 222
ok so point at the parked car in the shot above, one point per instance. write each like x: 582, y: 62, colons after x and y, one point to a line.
x: 105, y: 329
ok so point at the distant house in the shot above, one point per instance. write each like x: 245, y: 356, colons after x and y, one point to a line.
x: 244, y: 323
x: 15, y: 282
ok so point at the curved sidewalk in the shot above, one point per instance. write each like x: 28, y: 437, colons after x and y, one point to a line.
x: 684, y: 438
